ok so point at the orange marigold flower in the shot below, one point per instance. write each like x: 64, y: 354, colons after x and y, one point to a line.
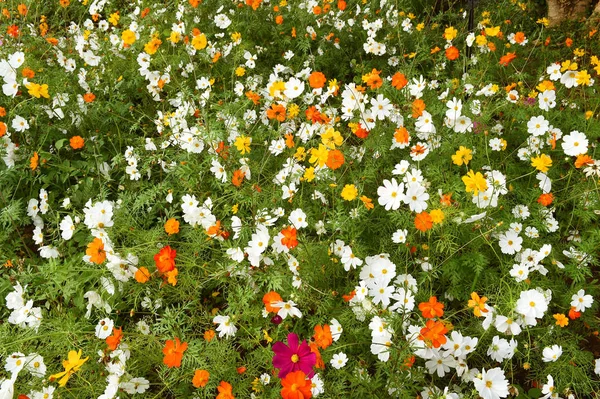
x: 569, y: 42
x: 399, y: 80
x: 142, y: 275
x: 172, y: 226
x: 279, y: 20
x: 89, y: 97
x: 433, y: 333
x: 171, y: 276
x: 22, y: 8
x: 409, y: 361
x: 341, y: 5
x: 225, y: 391
x: 452, y: 53
x: 209, y: 335
x: 372, y: 79
x: 432, y: 308
x: 322, y: 336
x: 316, y: 80
x: 296, y: 386
x: 253, y: 96
x: 173, y: 352
x: 573, y: 314
x: 401, y: 135
x: 320, y: 364
x: 561, y: 320
x: 545, y: 199
x: 33, y: 161
x: 289, y: 237
x: 582, y: 160
x: 269, y: 299
x: 28, y: 73
x: 367, y: 202
x: 95, y: 250
x: 2, y: 111
x: 114, y: 340
x: 519, y: 37
x: 335, y: 159
x: 238, y: 177
x: 478, y: 304
x: 200, y: 378
x: 165, y: 259
x: 418, y: 106
x: 76, y: 142
x: 423, y: 221
x: 277, y: 111
x: 507, y: 59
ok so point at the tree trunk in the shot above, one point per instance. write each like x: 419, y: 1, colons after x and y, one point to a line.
x: 562, y: 10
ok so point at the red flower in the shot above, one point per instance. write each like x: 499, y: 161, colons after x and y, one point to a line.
x: 573, y: 314
x: 165, y: 259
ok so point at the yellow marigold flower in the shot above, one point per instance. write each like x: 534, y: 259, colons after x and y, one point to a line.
x: 437, y: 216
x: 462, y: 156
x: 236, y: 37
x: 543, y: 21
x: 199, y: 42
x: 234, y: 208
x: 71, y: 365
x: 300, y: 154
x: 450, y: 33
x: 37, y: 90
x: 420, y: 27
x: 493, y: 31
x: 332, y: 138
x: 588, y: 114
x: 242, y: 143
x: 114, y: 18
x: 309, y: 174
x: 240, y: 71
x: 474, y: 182
x: 542, y: 163
x: 349, y: 192
x: 152, y: 46
x: 174, y: 37
x: 293, y: 110
x: 319, y: 155
x: 578, y: 52
x: 128, y: 37
x: 583, y: 78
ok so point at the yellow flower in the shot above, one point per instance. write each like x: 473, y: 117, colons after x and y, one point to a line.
x: 542, y: 163
x: 37, y: 90
x: 236, y: 37
x: 583, y: 78
x: 349, y: 192
x: 481, y: 40
x: 114, y: 18
x: 152, y: 46
x: 292, y: 111
x: 543, y: 21
x: 437, y: 216
x: 462, y: 156
x: 71, y: 365
x: 568, y: 65
x: 332, y: 138
x: 199, y: 42
x: 128, y: 37
x: 450, y: 33
x: 561, y: 320
x: 492, y: 32
x: 175, y: 37
x: 309, y: 174
x: 300, y: 154
x: 367, y: 202
x: 277, y: 88
x: 319, y: 155
x: 242, y: 143
x: 240, y: 71
x: 234, y: 208
x: 578, y: 52
x: 474, y: 182
x: 420, y: 27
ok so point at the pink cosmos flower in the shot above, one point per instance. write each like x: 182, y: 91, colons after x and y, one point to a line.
x: 293, y: 357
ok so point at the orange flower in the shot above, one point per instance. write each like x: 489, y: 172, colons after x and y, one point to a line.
x: 200, y: 378
x: 89, y: 97
x: 335, y: 159
x: 22, y: 8
x: 408, y: 362
x: 279, y: 20
x: 569, y: 42
x: 433, y: 333
x: 173, y: 352
x: 341, y: 5
x: 372, y: 79
x: 253, y: 96
x: 418, y: 106
x: 423, y: 221
x: 507, y: 59
x: 478, y: 304
x: 582, y: 160
x: 194, y: 3
x: 545, y: 199
x: 64, y: 3
x: 172, y: 226
x: 114, y: 340
x: 76, y: 142
x: 573, y: 314
x: 360, y: 131
x: 95, y: 250
x: 367, y: 202
x: 2, y: 111
x: 28, y: 73
x: 209, y: 335
x: 165, y: 259
x: 269, y: 298
x: 320, y: 364
x: 399, y: 80
x: 289, y: 237
x: 238, y: 178
x: 225, y: 391
x: 289, y: 140
x: 322, y: 336
x: 348, y: 297
x: 296, y: 386
x: 431, y: 308
x: 452, y: 53
x: 13, y: 30
x: 519, y: 37
x: 142, y: 275
x: 561, y: 320
x: 33, y: 161
x: 171, y: 276
x: 277, y: 111
x: 401, y: 135
x: 316, y: 80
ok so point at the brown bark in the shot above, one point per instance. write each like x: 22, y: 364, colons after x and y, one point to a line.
x: 562, y: 10
x: 597, y: 9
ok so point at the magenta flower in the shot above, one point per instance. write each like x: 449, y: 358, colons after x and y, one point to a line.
x: 293, y: 357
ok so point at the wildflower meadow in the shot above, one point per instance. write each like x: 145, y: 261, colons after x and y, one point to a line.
x: 299, y: 199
